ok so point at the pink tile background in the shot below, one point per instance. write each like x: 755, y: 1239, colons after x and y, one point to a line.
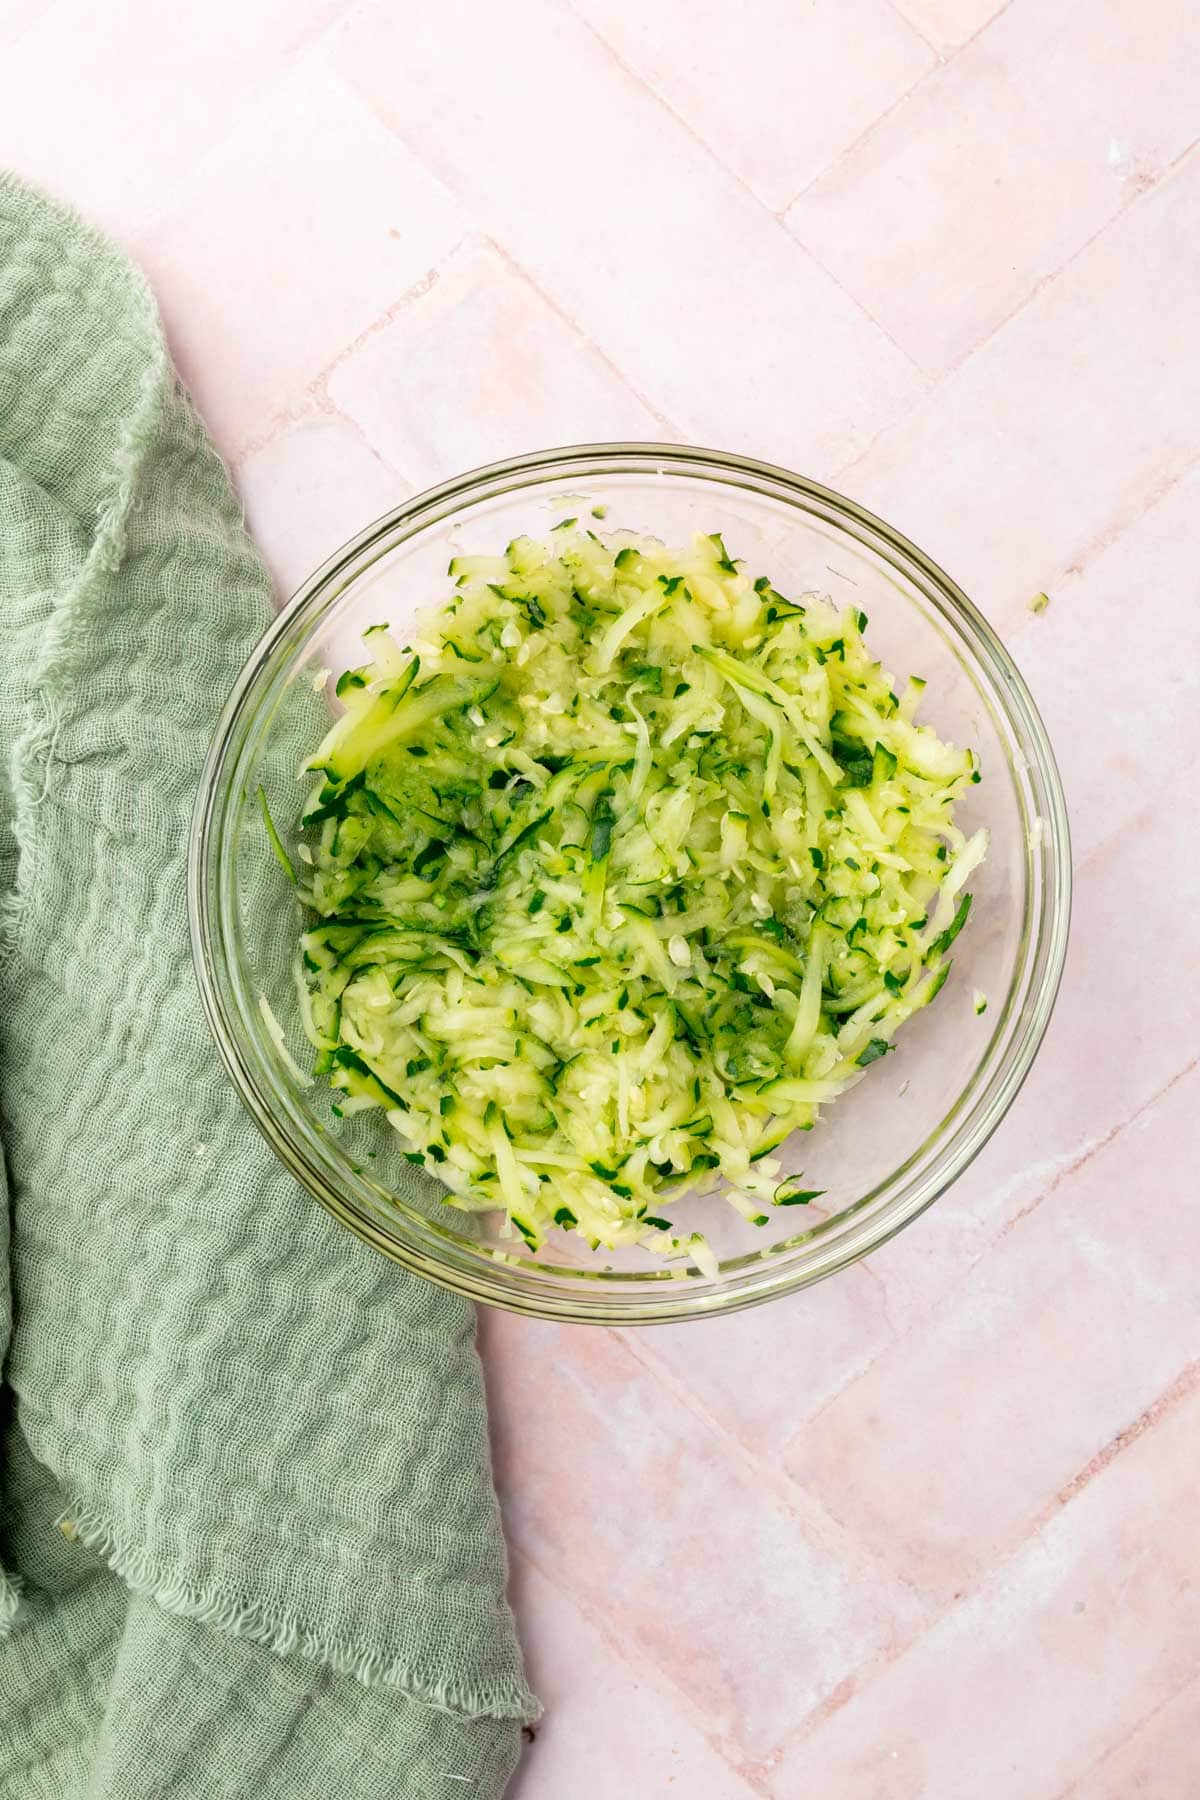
x: 930, y: 1531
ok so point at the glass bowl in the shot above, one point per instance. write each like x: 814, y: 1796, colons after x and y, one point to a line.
x: 883, y: 1152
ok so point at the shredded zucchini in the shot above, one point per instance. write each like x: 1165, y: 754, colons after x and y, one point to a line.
x: 619, y: 872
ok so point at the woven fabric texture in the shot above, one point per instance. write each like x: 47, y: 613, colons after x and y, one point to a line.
x: 274, y: 1438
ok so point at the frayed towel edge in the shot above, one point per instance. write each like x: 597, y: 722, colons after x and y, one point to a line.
x: 285, y: 1634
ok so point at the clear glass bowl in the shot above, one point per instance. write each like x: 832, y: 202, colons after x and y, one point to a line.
x: 883, y: 1152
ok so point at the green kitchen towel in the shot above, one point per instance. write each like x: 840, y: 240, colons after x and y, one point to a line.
x: 279, y: 1569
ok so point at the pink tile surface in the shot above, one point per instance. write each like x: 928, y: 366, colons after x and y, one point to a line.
x: 927, y: 1532
x: 1086, y: 658
x: 986, y: 1356
x: 732, y: 1369
x: 309, y: 190
x: 632, y: 1732
x: 17, y: 15
x: 734, y: 76
x: 647, y: 1514
x: 1003, y: 164
x: 112, y: 109
x: 309, y: 488
x: 1146, y: 1764
x: 1081, y: 1097
x: 1060, y: 430
x: 948, y: 24
x: 695, y: 292
x: 481, y: 365
x: 1051, y: 1658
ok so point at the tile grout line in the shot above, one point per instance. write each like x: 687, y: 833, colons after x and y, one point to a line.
x: 313, y: 36
x: 974, y: 36
x: 861, y: 456
x: 1096, y: 1149
x: 885, y: 1299
x: 315, y: 390
x: 318, y: 384
x: 170, y: 204
x: 328, y: 409
x: 928, y: 380
x: 945, y: 1299
x: 808, y: 1512
x: 602, y: 1625
x: 1180, y: 156
x: 1073, y: 1789
x: 1115, y: 530
x: 288, y: 418
x: 874, y: 124
x: 1178, y: 1390
x: 1120, y: 212
x: 853, y: 1684
x: 1098, y: 545
x: 9, y: 43
x: 1186, y: 1383
x: 1106, y: 843
x: 657, y: 99
x: 585, y: 337
x: 478, y: 230
x: 278, y: 422
x: 1039, y: 286
x: 897, y: 11
x: 786, y: 1488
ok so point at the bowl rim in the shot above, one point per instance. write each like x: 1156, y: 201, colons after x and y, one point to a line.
x: 663, y: 1300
